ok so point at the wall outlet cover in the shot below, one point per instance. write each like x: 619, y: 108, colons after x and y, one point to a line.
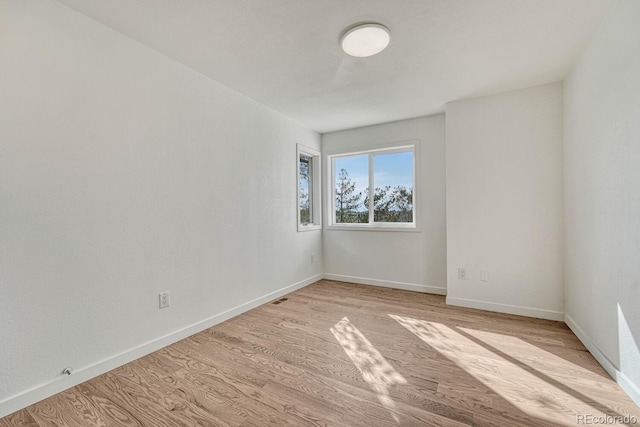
x: 164, y: 301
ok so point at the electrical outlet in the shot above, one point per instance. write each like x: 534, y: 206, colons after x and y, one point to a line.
x: 313, y: 258
x: 164, y: 299
x: 462, y: 273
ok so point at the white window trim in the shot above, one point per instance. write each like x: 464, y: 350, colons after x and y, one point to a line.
x: 316, y: 201
x: 396, y: 147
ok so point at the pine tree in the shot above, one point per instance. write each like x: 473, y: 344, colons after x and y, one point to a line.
x: 347, y: 200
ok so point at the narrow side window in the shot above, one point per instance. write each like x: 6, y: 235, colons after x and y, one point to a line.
x: 309, y: 211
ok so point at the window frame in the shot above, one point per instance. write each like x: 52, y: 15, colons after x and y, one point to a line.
x: 316, y: 188
x: 389, y: 148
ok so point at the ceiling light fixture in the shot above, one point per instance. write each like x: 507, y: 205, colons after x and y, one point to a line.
x: 365, y: 40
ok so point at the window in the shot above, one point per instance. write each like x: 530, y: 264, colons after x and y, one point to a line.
x: 388, y: 174
x: 308, y: 171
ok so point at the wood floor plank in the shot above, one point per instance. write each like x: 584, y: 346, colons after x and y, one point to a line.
x: 69, y: 408
x: 339, y: 354
x: 18, y: 419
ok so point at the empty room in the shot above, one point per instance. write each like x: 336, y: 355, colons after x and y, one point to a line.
x: 319, y: 213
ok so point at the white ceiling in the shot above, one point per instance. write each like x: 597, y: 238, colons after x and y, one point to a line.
x: 285, y: 53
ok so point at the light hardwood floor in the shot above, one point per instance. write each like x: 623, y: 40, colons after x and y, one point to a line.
x: 340, y: 354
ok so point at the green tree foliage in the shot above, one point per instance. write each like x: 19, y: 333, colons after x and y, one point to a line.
x: 401, y: 205
x: 381, y: 203
x: 305, y: 207
x: 390, y: 204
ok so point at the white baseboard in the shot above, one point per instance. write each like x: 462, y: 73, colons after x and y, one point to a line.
x: 63, y: 382
x: 630, y: 388
x: 387, y: 284
x: 507, y: 308
x: 593, y: 349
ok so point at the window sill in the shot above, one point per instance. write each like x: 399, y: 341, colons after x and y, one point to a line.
x: 409, y: 228
x: 309, y: 227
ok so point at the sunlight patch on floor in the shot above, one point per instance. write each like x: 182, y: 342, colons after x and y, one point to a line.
x: 521, y: 382
x: 373, y: 367
x: 561, y: 370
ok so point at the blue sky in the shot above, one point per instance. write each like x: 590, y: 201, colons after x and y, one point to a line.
x: 389, y: 169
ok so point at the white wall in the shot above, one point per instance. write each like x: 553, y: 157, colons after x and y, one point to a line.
x: 602, y: 196
x: 407, y: 260
x: 504, y: 202
x: 123, y: 174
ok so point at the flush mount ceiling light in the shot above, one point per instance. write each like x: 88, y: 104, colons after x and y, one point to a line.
x: 365, y: 40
